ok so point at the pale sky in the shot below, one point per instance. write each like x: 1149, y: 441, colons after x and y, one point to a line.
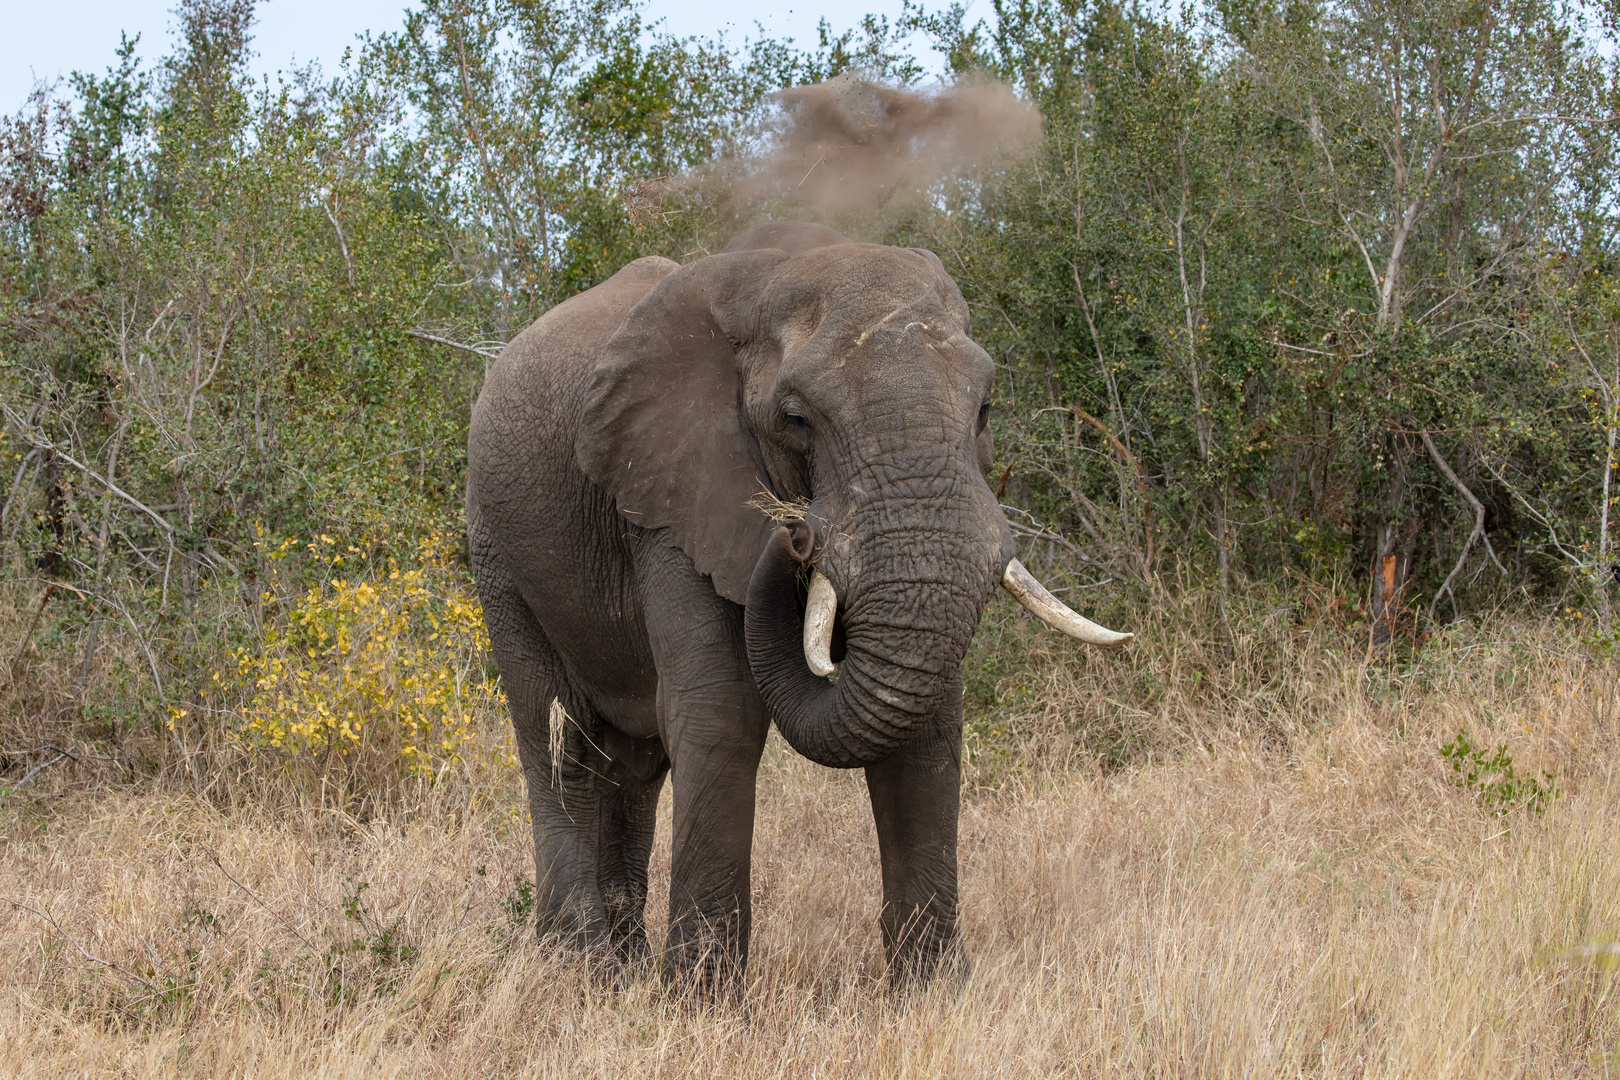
x: 47, y: 39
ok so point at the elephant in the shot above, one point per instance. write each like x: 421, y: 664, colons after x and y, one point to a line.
x: 705, y: 497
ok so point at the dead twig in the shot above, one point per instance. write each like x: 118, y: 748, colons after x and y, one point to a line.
x: 1040, y: 533
x: 61, y: 755
x: 1130, y: 461
x: 214, y: 858
x: 479, y: 350
x: 121, y: 969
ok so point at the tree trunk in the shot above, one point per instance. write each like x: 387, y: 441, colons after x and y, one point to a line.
x: 1395, y: 543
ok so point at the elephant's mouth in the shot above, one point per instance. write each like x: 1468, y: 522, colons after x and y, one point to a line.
x: 900, y: 648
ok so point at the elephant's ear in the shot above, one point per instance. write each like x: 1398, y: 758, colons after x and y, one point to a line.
x: 663, y: 430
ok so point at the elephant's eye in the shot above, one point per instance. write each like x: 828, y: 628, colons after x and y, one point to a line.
x: 795, y: 419
x: 984, y: 415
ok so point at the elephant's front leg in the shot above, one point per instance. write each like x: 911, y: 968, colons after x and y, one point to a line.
x: 713, y: 724
x: 916, y: 795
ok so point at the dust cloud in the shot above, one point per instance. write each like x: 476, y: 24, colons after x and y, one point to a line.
x: 850, y: 143
x: 852, y: 149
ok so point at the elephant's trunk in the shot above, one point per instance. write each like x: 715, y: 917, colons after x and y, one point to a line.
x: 904, y: 642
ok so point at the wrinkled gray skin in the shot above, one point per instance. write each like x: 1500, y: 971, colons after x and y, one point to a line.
x: 613, y: 452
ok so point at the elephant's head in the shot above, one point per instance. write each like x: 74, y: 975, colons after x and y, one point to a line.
x: 802, y: 366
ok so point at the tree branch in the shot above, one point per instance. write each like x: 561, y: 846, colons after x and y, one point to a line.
x: 46, y: 444
x: 343, y: 244
x: 1130, y: 461
x: 488, y: 354
x: 61, y: 755
x: 1478, y: 532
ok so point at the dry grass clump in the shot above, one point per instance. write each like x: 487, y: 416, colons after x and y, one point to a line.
x: 1268, y: 895
x: 48, y: 701
x: 779, y: 509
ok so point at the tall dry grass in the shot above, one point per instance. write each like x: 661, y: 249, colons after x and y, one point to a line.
x: 1236, y: 856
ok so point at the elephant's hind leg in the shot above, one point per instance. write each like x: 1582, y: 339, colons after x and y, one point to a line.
x: 564, y: 795
x: 629, y: 817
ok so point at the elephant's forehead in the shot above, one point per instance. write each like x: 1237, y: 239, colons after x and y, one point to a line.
x: 884, y: 323
x: 895, y: 320
x: 856, y: 285
x: 902, y: 355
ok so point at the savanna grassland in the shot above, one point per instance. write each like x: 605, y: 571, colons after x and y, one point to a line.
x: 1300, y: 885
x: 1306, y: 319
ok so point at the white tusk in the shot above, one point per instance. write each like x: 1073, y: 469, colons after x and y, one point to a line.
x: 1045, y: 607
x: 819, y: 611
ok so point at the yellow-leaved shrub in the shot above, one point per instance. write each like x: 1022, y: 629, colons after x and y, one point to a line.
x: 379, y: 675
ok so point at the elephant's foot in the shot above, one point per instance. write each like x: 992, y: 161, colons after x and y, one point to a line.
x: 922, y: 947
x: 627, y: 936
x: 575, y: 924
x: 612, y: 961
x: 633, y: 953
x: 706, y: 958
